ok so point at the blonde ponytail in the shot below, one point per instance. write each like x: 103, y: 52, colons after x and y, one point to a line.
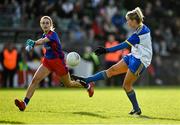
x: 135, y: 14
x: 139, y: 13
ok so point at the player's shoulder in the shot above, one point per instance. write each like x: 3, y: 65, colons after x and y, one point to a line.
x: 134, y: 36
x: 52, y: 33
x: 142, y: 30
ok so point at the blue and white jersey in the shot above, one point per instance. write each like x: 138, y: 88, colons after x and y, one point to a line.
x: 141, y: 45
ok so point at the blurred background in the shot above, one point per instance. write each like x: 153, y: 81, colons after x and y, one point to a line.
x: 82, y: 26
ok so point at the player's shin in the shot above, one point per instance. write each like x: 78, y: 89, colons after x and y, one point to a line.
x: 98, y: 76
x: 132, y: 97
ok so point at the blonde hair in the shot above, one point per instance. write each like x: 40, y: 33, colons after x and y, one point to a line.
x: 51, y: 22
x: 135, y: 14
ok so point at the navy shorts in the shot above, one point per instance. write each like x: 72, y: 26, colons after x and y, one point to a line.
x: 135, y: 65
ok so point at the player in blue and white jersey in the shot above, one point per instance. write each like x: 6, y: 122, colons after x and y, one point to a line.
x: 132, y: 64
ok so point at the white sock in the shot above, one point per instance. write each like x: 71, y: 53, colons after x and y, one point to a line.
x: 25, y: 103
x: 88, y: 87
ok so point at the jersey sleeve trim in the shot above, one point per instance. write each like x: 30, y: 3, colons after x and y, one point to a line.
x: 128, y: 43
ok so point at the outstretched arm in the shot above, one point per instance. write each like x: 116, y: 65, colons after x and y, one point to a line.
x: 118, y: 47
x: 102, y: 50
x: 41, y: 41
x: 30, y: 44
x: 131, y: 41
x: 33, y: 43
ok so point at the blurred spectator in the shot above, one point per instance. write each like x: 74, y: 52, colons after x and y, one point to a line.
x: 16, y: 14
x: 98, y: 28
x: 74, y: 23
x: 96, y: 17
x: 67, y: 9
x: 118, y: 20
x: 66, y: 13
x: 113, y: 58
x: 111, y: 10
x: 109, y: 27
x: 90, y: 56
x: 78, y: 36
x: 56, y: 19
x: 158, y: 70
x: 9, y: 61
x: 160, y: 45
x: 23, y: 68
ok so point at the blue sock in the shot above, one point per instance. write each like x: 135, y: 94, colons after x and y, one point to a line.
x: 26, y: 100
x: 132, y: 97
x: 98, y: 76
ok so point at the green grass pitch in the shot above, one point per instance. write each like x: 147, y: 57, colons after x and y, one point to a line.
x: 160, y: 105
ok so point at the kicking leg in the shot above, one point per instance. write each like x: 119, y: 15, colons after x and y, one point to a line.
x: 119, y: 68
x: 116, y: 69
x: 72, y: 83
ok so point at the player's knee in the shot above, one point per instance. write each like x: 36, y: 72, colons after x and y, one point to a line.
x: 36, y: 80
x: 127, y: 87
x: 110, y: 72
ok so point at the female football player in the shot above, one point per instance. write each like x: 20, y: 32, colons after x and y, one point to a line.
x: 134, y: 63
x: 53, y: 62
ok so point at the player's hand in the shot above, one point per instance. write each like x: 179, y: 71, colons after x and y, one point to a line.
x: 30, y: 43
x: 28, y: 48
x: 100, y: 50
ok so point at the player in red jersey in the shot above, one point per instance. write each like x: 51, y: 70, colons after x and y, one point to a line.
x: 53, y: 62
